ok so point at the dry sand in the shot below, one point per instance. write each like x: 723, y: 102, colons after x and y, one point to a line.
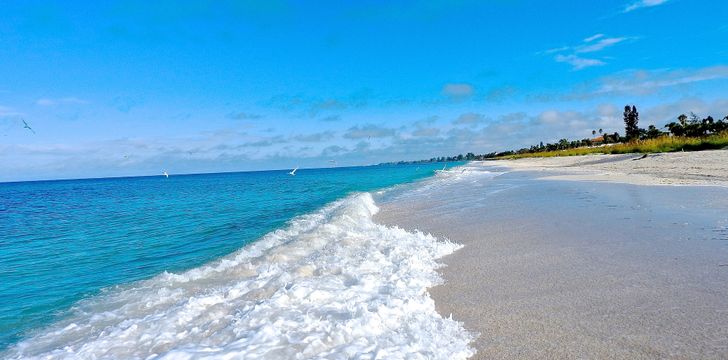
x: 584, y: 269
x: 680, y: 168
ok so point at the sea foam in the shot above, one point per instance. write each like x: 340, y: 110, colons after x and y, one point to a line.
x: 331, y: 285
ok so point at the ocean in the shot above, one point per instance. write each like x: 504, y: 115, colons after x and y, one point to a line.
x: 254, y: 264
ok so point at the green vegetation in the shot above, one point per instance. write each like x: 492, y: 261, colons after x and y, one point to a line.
x: 664, y: 143
x: 687, y: 134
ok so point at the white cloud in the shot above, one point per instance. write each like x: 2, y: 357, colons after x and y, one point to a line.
x: 577, y: 62
x: 458, y: 90
x: 600, y: 45
x: 592, y: 44
x: 555, y: 50
x: 426, y: 132
x: 643, y: 4
x: 470, y: 119
x: 368, y: 131
x: 60, y: 101
x: 6, y: 111
x: 425, y: 128
x: 593, y: 37
x: 315, y: 137
x: 642, y: 82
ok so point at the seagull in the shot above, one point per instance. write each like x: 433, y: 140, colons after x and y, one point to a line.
x: 293, y: 172
x: 165, y: 174
x: 26, y: 126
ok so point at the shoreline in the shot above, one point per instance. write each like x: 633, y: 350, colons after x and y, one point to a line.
x: 581, y: 268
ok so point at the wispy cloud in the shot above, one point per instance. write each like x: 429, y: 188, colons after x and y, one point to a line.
x: 591, y: 44
x: 577, y: 62
x: 426, y: 132
x: 312, y: 106
x: 331, y: 118
x: 643, y: 4
x: 315, y: 137
x: 470, y: 119
x: 500, y: 93
x: 425, y: 127
x: 593, y: 37
x: 600, y: 45
x: 642, y: 82
x: 458, y: 90
x: 368, y: 131
x: 8, y: 111
x: 60, y: 101
x: 242, y: 116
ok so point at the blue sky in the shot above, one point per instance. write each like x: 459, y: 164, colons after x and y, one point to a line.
x: 133, y: 88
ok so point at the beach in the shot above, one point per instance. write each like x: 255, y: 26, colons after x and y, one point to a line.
x: 678, y: 168
x: 584, y: 257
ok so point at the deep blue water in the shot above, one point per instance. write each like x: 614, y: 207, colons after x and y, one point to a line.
x: 61, y: 241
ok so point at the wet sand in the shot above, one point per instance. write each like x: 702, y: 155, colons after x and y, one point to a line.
x: 555, y: 269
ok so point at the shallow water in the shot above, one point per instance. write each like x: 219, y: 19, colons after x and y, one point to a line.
x: 97, y: 240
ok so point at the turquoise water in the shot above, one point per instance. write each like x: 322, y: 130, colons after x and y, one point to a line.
x: 62, y: 241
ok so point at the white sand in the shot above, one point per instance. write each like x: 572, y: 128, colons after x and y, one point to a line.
x: 681, y: 168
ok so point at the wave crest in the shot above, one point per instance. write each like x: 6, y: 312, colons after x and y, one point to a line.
x: 332, y: 284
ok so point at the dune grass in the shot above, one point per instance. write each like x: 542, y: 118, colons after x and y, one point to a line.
x: 658, y: 145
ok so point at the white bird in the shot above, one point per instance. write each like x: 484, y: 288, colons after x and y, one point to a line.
x: 26, y: 126
x: 165, y: 174
x: 293, y: 172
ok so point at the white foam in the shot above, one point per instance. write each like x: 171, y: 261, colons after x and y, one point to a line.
x: 471, y: 173
x: 332, y: 285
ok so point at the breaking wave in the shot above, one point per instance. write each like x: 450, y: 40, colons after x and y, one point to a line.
x: 331, y: 285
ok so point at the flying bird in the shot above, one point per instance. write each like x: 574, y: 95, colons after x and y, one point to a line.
x: 165, y: 174
x: 26, y: 126
x: 293, y: 172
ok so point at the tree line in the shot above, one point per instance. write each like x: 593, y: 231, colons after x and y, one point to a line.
x: 686, y: 125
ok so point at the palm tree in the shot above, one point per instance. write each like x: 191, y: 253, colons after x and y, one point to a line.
x: 683, y: 119
x: 600, y: 131
x: 594, y: 132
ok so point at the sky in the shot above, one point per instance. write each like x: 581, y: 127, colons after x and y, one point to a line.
x: 126, y: 88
